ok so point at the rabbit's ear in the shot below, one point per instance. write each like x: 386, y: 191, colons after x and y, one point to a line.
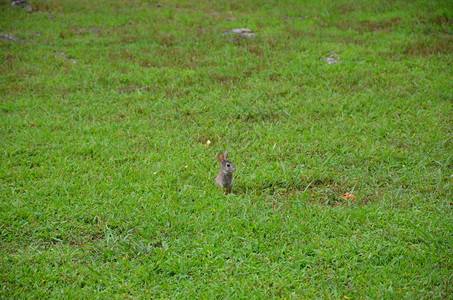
x: 220, y: 157
x: 226, y: 154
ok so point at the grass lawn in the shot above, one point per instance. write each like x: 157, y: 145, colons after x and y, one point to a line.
x: 107, y: 176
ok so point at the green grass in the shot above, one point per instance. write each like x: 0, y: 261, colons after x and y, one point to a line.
x: 107, y: 189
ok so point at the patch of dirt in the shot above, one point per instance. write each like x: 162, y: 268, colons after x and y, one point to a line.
x: 260, y: 116
x: 384, y: 25
x: 324, y: 191
x: 224, y: 78
x: 370, y: 25
x: 295, y: 32
x: 133, y: 89
x: 436, y: 24
x: 439, y: 45
x: 347, y: 8
x: 86, y: 30
x: 158, y: 5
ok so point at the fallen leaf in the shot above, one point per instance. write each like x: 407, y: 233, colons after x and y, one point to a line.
x: 349, y: 196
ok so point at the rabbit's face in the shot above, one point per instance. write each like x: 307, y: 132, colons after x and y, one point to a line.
x: 228, y: 167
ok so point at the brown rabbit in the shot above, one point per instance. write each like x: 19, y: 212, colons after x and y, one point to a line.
x: 225, y: 178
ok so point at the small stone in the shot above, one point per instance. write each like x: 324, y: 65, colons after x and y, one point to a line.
x: 245, y: 33
x: 10, y: 37
x: 20, y: 3
x: 74, y: 61
x: 333, y: 59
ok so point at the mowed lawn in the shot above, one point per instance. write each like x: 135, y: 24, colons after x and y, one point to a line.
x: 112, y: 114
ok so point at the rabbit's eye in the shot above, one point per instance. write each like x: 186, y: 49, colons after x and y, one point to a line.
x: 228, y: 165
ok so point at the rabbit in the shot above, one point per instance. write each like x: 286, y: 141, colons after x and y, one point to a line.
x: 225, y: 178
